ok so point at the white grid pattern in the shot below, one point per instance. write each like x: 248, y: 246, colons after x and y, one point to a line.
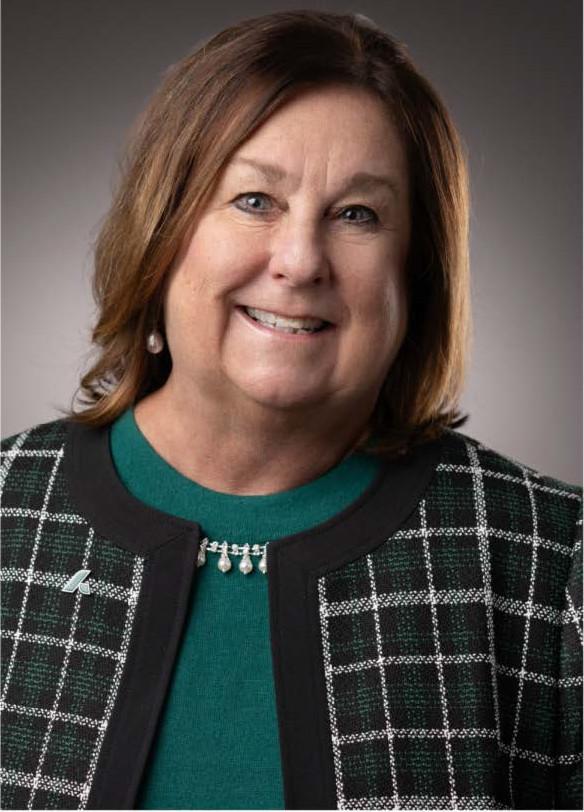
x: 31, y: 513
x: 55, y: 580
x: 79, y: 791
x: 476, y: 468
x: 58, y: 457
x: 485, y: 596
x: 574, y: 614
x: 436, y: 636
x: 78, y: 597
x: 10, y: 456
x: 457, y: 733
x: 328, y: 675
x: 485, y: 559
x: 49, y: 640
x: 425, y: 802
x: 136, y: 583
x: 15, y: 450
x: 43, y: 713
x: 494, y: 532
x: 378, y: 642
x: 453, y: 597
x: 452, y: 659
x: 19, y: 778
x: 36, y: 780
x: 526, y: 631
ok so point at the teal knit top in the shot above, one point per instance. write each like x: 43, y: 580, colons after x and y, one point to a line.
x: 217, y: 744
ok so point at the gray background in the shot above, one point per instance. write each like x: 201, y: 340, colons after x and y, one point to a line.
x: 77, y: 72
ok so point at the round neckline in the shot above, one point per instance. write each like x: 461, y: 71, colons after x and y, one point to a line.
x: 238, y: 517
x: 100, y: 498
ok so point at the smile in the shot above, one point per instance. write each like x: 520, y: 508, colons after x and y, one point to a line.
x: 285, y: 326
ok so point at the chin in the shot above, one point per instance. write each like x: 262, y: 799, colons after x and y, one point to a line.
x: 289, y: 403
x: 285, y: 398
x: 284, y: 381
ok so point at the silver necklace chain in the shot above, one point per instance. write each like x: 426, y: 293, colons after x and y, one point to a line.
x: 225, y: 549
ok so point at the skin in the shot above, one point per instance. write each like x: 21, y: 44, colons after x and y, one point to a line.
x: 250, y: 411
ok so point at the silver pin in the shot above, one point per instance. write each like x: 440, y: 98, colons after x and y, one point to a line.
x: 77, y: 582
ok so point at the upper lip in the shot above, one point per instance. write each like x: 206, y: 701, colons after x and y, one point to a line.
x: 276, y: 312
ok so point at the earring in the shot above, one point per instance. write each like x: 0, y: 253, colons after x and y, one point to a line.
x: 154, y: 342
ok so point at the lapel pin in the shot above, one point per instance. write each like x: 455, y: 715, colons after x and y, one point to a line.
x: 77, y: 581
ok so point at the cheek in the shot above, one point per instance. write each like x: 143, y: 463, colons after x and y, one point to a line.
x: 379, y: 314
x: 221, y: 261
x: 176, y: 305
x: 395, y: 303
x: 196, y: 308
x: 378, y: 295
x: 187, y: 312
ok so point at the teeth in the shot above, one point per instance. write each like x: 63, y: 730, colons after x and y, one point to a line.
x: 285, y: 324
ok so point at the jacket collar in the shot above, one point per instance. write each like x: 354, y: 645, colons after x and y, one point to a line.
x: 115, y: 513
x: 99, y: 495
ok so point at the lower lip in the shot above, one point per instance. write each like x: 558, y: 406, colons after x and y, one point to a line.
x: 273, y: 333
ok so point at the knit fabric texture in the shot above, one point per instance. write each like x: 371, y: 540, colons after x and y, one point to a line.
x: 62, y: 657
x: 450, y: 655
x: 453, y: 652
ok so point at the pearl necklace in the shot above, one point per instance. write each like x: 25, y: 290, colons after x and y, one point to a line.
x: 244, y: 550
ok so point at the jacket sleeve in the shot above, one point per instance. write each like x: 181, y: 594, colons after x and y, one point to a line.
x: 568, y: 770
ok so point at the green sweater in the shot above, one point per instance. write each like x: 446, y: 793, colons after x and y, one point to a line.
x: 217, y: 744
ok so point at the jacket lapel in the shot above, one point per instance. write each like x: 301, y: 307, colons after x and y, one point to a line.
x: 165, y: 550
x: 298, y: 568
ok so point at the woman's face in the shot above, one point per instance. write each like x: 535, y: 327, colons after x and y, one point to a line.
x: 309, y: 220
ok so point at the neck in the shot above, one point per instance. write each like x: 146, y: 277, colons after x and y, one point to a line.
x: 248, y: 449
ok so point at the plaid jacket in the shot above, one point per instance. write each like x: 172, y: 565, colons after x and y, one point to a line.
x: 426, y: 642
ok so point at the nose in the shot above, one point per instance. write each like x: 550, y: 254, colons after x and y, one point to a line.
x: 298, y: 254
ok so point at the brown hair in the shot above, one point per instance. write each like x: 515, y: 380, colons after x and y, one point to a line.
x: 208, y: 104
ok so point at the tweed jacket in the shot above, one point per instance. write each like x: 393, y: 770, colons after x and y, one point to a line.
x: 426, y: 642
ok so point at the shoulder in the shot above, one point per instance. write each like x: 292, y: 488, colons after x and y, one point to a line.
x: 527, y: 526
x: 508, y: 492
x: 43, y: 436
x: 27, y: 458
x: 460, y: 445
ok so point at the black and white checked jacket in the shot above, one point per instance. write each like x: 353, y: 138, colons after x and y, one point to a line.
x: 426, y: 642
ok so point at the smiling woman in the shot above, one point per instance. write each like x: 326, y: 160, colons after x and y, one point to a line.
x: 247, y: 278
x: 347, y: 134
x: 283, y: 321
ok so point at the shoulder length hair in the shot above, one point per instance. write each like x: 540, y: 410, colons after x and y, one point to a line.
x: 207, y: 105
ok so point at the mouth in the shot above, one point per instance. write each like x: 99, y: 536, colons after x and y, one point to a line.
x: 292, y: 326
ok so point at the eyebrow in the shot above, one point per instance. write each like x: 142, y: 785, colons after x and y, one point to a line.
x: 358, y: 182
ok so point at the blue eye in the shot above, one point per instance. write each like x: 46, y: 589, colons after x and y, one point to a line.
x: 250, y: 195
x: 372, y: 219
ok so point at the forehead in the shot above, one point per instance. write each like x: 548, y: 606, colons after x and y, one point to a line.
x: 333, y: 130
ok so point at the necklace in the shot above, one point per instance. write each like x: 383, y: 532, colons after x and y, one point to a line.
x: 244, y: 550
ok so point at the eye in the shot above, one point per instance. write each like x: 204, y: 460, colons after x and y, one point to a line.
x: 257, y: 196
x: 242, y: 202
x: 371, y: 220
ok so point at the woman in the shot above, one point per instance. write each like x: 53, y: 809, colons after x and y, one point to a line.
x: 259, y: 567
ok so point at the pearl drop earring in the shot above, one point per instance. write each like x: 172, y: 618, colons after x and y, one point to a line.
x: 154, y: 342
